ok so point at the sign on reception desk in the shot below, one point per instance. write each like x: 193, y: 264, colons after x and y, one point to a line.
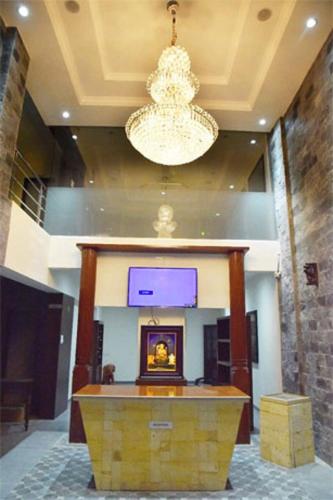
x: 158, y: 438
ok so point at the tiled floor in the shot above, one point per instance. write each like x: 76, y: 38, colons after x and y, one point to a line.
x: 13, y: 434
x: 60, y: 471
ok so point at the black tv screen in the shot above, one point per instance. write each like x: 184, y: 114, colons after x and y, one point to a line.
x: 162, y: 287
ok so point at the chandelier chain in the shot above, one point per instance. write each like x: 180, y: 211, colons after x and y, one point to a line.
x: 174, y: 32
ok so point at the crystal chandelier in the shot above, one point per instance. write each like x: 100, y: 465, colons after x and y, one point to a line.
x: 172, y: 131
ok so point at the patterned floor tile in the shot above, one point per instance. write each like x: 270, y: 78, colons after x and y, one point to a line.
x: 65, y: 471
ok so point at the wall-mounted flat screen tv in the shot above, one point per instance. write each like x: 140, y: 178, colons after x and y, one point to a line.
x: 162, y: 287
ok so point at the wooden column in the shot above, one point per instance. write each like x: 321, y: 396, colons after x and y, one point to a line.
x: 240, y: 375
x: 82, y: 369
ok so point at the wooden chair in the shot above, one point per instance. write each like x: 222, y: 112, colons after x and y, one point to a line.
x: 15, y: 400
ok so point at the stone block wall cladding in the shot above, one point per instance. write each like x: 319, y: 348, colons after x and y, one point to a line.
x: 14, y: 62
x: 301, y: 154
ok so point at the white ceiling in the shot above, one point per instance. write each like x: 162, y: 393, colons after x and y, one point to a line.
x: 95, y: 62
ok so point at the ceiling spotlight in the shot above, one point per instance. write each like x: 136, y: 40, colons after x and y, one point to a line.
x: 231, y: 186
x: 264, y: 14
x: 202, y: 233
x: 217, y: 214
x: 102, y: 209
x: 311, y: 22
x: 253, y: 141
x: 91, y: 181
x: 163, y: 193
x: 74, y: 136
x: 23, y: 10
x: 262, y: 121
x: 66, y: 114
x: 72, y: 6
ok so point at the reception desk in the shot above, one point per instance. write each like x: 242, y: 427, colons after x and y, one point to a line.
x: 158, y: 438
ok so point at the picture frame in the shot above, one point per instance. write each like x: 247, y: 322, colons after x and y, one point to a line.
x: 253, y: 332
x: 161, y: 355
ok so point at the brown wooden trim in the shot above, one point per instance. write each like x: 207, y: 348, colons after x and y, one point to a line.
x: 118, y: 247
x: 81, y: 378
x: 82, y: 374
x: 86, y: 306
x: 240, y: 374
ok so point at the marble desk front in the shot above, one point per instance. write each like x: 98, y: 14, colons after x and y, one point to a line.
x: 160, y: 438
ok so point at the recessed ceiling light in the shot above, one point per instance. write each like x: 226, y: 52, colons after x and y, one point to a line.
x: 23, y: 11
x: 217, y: 214
x: 202, y: 233
x: 311, y: 22
x: 91, y: 181
x: 231, y: 186
x: 262, y: 121
x: 66, y: 114
x: 253, y: 141
x: 102, y: 209
x: 264, y: 14
x: 72, y: 6
x: 74, y: 136
x: 163, y: 193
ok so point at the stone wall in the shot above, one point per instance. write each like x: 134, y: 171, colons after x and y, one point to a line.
x: 301, y: 153
x: 288, y: 282
x: 14, y: 63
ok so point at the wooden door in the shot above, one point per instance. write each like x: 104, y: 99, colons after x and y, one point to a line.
x: 210, y: 354
x: 223, y: 351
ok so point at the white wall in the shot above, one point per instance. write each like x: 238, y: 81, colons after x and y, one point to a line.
x: 73, y: 348
x: 31, y: 251
x: 66, y: 281
x: 27, y: 250
x: 122, y: 327
x: 120, y: 345
x: 112, y: 276
x: 262, y: 295
x: 262, y: 254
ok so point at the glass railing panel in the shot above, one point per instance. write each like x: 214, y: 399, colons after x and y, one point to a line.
x: 131, y: 213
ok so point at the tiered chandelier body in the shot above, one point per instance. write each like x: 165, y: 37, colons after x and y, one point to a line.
x: 172, y: 131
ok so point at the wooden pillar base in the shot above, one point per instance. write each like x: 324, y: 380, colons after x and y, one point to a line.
x: 82, y: 374
x: 243, y: 436
x: 240, y: 375
x: 81, y: 377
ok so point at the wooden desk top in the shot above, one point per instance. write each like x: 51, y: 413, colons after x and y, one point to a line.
x: 128, y: 391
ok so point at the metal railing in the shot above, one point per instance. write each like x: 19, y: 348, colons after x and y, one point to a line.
x: 27, y: 189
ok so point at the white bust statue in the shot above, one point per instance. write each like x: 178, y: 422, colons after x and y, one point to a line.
x: 165, y: 226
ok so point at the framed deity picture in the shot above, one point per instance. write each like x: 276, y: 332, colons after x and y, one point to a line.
x: 161, y: 355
